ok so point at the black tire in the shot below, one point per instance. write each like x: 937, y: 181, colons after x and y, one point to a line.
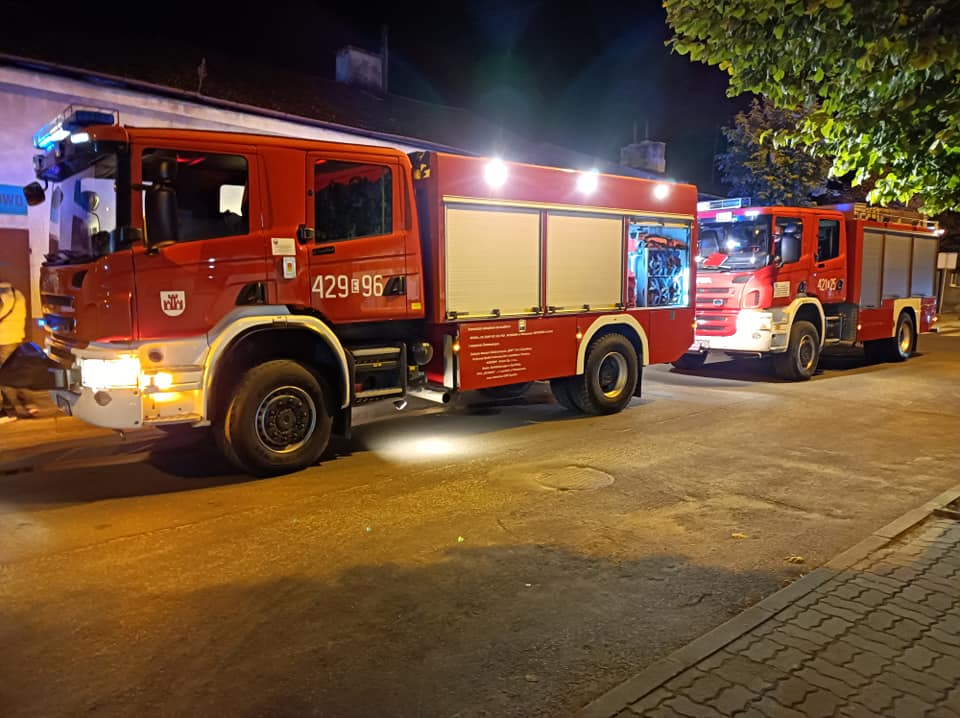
x: 904, y: 340
x: 508, y: 391
x: 610, y: 375
x: 278, y: 420
x: 800, y: 361
x: 560, y: 388
x: 691, y: 360
x: 875, y: 351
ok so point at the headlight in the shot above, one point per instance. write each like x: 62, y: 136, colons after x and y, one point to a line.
x: 122, y: 372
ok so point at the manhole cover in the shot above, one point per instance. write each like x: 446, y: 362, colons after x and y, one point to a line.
x: 573, y: 478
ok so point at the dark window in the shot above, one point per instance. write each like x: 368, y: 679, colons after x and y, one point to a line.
x: 352, y: 200
x: 788, y: 239
x: 828, y: 239
x: 211, y: 190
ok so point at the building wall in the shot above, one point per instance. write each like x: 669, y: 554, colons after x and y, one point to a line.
x: 29, y: 99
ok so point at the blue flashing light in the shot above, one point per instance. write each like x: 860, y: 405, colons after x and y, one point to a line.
x: 72, y: 119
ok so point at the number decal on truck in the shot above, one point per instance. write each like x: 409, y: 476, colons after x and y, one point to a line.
x: 341, y: 286
x: 827, y: 285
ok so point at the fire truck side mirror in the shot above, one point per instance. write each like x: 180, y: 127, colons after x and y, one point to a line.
x: 34, y: 194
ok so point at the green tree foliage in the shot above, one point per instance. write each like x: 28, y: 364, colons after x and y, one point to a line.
x: 754, y: 166
x: 879, y: 79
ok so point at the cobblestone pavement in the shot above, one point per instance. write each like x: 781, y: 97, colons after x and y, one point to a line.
x: 881, y: 638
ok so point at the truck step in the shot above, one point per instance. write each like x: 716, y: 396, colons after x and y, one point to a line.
x: 378, y: 372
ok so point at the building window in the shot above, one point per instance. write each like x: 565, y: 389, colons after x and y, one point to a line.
x: 352, y: 200
x: 828, y: 239
x: 211, y: 190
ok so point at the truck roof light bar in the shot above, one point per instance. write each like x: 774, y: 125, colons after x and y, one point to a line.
x: 72, y: 119
x: 728, y: 203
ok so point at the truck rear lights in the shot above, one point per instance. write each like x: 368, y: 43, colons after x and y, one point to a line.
x: 495, y: 173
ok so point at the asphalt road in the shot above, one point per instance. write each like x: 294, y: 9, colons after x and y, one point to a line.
x: 499, y: 560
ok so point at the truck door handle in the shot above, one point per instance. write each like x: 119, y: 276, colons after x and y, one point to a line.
x: 329, y: 249
x: 821, y: 265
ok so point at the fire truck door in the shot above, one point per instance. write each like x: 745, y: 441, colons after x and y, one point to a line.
x: 185, y: 288
x: 358, y: 254
x: 828, y: 279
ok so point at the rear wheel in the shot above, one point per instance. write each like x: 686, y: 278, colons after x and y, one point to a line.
x: 904, y: 339
x: 560, y: 388
x: 897, y: 348
x: 278, y: 420
x: 609, y: 378
x: 800, y: 360
x: 691, y: 360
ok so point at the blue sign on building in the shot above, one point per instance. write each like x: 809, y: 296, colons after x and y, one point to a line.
x: 12, y: 200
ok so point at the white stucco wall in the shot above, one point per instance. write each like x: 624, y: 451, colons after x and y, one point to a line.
x: 29, y: 99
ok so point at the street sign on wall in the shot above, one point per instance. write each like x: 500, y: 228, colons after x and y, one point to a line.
x: 947, y: 260
x: 12, y: 200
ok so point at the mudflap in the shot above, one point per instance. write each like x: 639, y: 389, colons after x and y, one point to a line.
x: 29, y: 368
x: 342, y: 423
x: 637, y: 388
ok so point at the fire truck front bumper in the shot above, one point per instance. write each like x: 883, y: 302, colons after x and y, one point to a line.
x: 115, y: 391
x: 758, y: 332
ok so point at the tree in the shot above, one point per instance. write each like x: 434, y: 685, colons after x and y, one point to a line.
x: 878, y: 78
x: 753, y: 166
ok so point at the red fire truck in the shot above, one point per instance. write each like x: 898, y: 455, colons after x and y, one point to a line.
x: 266, y: 285
x: 791, y: 281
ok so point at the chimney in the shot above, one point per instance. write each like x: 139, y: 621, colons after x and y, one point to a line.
x: 646, y: 154
x: 360, y: 68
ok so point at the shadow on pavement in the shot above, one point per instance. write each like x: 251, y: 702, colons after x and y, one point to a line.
x: 509, y: 630
x: 184, y: 461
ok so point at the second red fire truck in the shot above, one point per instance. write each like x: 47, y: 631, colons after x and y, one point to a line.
x: 788, y: 282
x: 264, y: 286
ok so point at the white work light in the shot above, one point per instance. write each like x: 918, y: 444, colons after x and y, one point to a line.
x: 495, y: 172
x: 661, y: 191
x: 587, y: 182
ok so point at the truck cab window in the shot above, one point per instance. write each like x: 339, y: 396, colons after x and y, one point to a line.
x: 828, y: 239
x: 352, y: 200
x: 212, y: 192
x: 788, y: 239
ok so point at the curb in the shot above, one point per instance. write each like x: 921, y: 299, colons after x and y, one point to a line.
x: 633, y: 689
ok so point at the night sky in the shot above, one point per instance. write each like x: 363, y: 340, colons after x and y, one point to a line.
x: 578, y: 75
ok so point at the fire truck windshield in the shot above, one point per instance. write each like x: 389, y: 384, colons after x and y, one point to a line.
x: 745, y: 242
x: 83, y: 210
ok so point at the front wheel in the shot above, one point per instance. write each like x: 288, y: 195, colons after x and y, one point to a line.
x: 610, y: 375
x: 279, y: 419
x: 799, y: 362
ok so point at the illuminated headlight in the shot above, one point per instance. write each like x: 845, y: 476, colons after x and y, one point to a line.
x: 754, y: 321
x: 495, y: 173
x: 120, y: 373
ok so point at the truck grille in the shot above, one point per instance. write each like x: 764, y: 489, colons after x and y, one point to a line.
x: 61, y: 326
